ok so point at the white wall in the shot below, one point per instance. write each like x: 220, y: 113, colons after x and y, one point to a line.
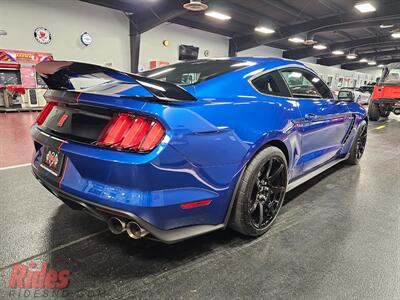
x: 152, y: 48
x: 262, y: 50
x: 373, y: 71
x: 66, y: 20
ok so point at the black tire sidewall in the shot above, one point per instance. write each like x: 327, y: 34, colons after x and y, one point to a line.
x: 373, y: 111
x: 353, y: 160
x: 240, y: 219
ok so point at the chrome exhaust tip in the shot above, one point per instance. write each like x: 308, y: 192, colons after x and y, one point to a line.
x: 135, y: 231
x: 116, y: 225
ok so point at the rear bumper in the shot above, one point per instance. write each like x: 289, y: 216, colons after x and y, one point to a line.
x: 149, y: 188
x: 98, y: 211
x: 386, y: 101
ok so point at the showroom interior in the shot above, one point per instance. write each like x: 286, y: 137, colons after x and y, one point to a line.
x: 337, y: 233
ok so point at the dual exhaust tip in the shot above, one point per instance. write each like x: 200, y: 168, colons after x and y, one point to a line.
x: 133, y: 229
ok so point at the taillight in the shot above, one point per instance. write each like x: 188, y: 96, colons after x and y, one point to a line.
x: 133, y: 133
x: 45, y: 112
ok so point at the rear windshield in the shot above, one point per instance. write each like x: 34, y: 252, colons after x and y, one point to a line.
x: 192, y: 72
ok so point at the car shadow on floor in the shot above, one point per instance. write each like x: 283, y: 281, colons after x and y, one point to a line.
x: 106, y: 257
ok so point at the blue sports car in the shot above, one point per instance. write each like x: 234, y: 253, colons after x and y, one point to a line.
x: 192, y: 147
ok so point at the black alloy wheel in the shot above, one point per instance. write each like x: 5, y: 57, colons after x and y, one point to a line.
x: 268, y: 192
x: 361, y: 142
x: 260, y: 192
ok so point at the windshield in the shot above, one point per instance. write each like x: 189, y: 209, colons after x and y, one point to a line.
x: 192, y: 72
x: 391, y: 76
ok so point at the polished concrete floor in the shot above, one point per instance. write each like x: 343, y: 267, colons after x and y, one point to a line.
x: 338, y: 237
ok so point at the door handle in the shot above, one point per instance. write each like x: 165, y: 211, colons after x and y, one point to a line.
x: 310, y: 116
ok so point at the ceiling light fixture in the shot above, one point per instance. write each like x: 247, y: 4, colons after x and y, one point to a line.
x: 337, y: 52
x: 320, y: 47
x: 351, y: 56
x: 195, y: 5
x: 365, y: 7
x: 296, y: 40
x: 386, y: 26
x: 396, y: 35
x: 218, y: 15
x: 363, y: 60
x: 264, y: 30
x: 372, y: 63
x: 381, y: 66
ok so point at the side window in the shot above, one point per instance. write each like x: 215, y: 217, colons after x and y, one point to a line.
x: 303, y: 84
x: 271, y: 84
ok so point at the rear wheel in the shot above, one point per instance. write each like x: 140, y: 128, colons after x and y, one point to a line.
x: 384, y: 113
x: 358, y: 147
x: 373, y: 111
x: 261, y: 192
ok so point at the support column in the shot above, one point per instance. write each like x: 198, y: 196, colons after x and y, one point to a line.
x: 232, y: 48
x: 134, y: 37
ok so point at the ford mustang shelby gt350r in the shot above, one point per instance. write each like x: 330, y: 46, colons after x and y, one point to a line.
x: 191, y: 147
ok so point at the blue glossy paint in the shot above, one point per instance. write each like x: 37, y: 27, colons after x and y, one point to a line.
x: 207, y: 145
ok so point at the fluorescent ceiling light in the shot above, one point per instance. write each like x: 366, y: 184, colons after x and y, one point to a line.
x: 319, y: 47
x: 265, y: 30
x: 365, y: 7
x: 381, y: 66
x: 363, y: 60
x: 296, y: 40
x: 396, y: 35
x: 386, y: 25
x: 372, y: 63
x: 337, y: 52
x: 351, y: 56
x: 218, y: 15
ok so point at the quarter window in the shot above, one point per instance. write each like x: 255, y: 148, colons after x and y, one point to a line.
x: 271, y: 84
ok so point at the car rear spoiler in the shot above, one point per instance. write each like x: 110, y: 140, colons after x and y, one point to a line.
x: 58, y: 74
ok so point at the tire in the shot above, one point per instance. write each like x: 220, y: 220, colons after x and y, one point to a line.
x: 358, y: 147
x: 384, y: 113
x: 261, y: 189
x: 373, y: 111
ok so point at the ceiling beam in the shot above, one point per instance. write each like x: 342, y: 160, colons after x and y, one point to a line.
x: 146, y: 16
x: 290, y: 10
x: 346, y: 20
x: 310, y: 51
x: 205, y: 27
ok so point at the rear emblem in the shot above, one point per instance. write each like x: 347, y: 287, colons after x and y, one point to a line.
x: 62, y: 120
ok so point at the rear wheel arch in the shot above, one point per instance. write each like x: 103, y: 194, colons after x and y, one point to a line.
x: 275, y: 143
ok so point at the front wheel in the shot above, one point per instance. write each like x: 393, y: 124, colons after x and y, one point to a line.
x: 359, y: 143
x: 260, y: 193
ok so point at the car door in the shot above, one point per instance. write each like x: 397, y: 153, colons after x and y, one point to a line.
x: 324, y: 121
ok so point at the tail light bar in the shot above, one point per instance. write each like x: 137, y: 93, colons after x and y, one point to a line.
x: 131, y: 133
x: 45, y: 112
